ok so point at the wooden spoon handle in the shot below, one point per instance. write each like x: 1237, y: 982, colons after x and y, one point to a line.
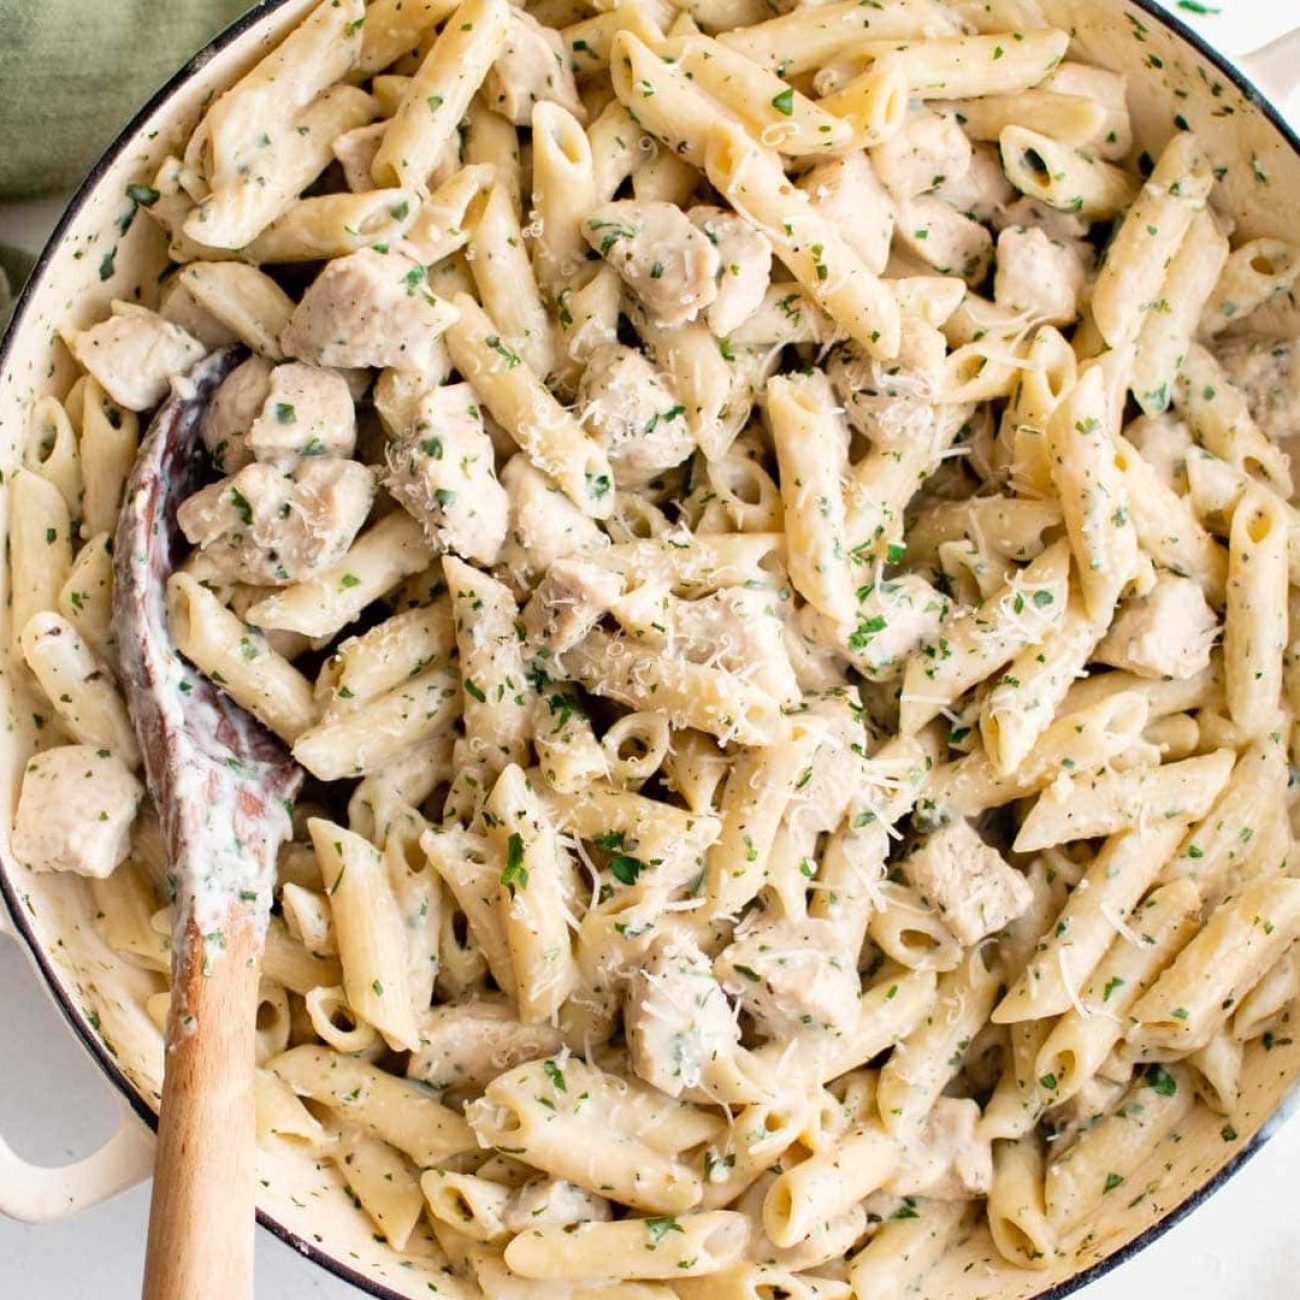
x: 202, y: 1215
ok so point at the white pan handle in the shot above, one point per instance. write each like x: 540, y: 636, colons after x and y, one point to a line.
x: 1275, y: 69
x: 39, y: 1194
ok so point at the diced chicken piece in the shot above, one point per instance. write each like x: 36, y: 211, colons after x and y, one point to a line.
x: 895, y: 618
x: 135, y: 354
x: 355, y: 151
x: 1163, y: 442
x: 892, y: 404
x: 442, y: 470
x: 368, y: 309
x: 927, y: 152
x: 746, y: 267
x: 278, y: 415
x: 681, y: 1034
x: 544, y: 525
x: 552, y: 1201
x: 983, y: 192
x: 1053, y: 222
x: 1267, y: 370
x: 532, y: 68
x: 75, y: 811
x: 946, y: 1160
x: 792, y: 975
x: 1038, y: 275
x: 1168, y: 632
x: 307, y: 413
x: 663, y: 258
x: 237, y: 402
x: 974, y: 889
x: 739, y: 629
x: 467, y: 1046
x: 943, y: 238
x: 570, y: 600
x: 626, y: 403
x: 848, y: 192
x: 268, y: 528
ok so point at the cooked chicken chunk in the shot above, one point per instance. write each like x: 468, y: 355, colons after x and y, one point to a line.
x: 135, y: 354
x: 268, y: 528
x: 1168, y: 632
x: 895, y: 617
x: 1267, y: 370
x: 238, y: 401
x: 928, y: 151
x: 1054, y: 223
x: 442, y: 470
x: 553, y: 1201
x: 681, y: 1033
x: 663, y: 258
x: 983, y: 193
x: 849, y: 194
x: 791, y: 975
x: 970, y: 883
x: 892, y: 404
x: 307, y: 413
x: 368, y: 309
x: 946, y: 1160
x: 737, y: 628
x: 544, y: 525
x: 625, y: 402
x: 468, y: 1046
x: 278, y: 415
x: 1038, y: 275
x: 943, y: 238
x: 75, y: 811
x: 533, y: 68
x: 569, y: 601
x: 746, y: 258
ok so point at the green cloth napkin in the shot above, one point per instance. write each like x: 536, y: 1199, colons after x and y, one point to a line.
x: 72, y: 72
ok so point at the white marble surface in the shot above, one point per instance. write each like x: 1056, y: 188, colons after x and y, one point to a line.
x: 1244, y: 1244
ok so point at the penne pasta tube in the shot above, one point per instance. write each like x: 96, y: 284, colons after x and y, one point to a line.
x: 82, y: 693
x: 515, y: 397
x: 1112, y: 1153
x: 1241, y: 940
x: 810, y: 246
x: 1068, y: 179
x: 687, y: 1245
x: 1074, y: 809
x: 389, y: 1108
x: 1255, y: 620
x: 1079, y: 1042
x: 238, y: 658
x: 424, y: 125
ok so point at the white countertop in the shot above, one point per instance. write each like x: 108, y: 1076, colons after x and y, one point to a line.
x: 1244, y: 1244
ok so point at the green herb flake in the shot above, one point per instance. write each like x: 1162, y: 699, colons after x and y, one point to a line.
x: 515, y: 874
x: 658, y: 1228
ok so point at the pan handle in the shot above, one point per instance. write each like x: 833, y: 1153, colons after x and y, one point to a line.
x: 1275, y: 69
x: 42, y: 1194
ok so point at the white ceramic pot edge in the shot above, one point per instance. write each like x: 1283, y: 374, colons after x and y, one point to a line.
x: 1275, y: 70
x: 41, y: 1194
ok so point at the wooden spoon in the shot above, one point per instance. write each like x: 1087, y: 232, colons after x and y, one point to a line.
x: 223, y: 788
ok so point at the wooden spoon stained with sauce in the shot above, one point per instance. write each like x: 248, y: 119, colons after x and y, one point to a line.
x: 223, y: 788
